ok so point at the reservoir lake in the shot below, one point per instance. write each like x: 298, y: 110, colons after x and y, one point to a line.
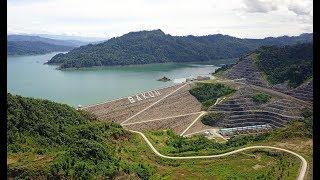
x: 29, y: 76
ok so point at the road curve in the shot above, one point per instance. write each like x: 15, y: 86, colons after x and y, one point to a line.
x: 303, y: 167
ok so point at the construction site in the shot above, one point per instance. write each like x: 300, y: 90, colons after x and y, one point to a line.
x: 175, y: 108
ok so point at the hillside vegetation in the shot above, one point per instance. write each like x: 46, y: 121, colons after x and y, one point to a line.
x: 54, y: 140
x: 200, y: 145
x: 48, y: 140
x: 212, y: 118
x: 33, y: 47
x: 208, y: 93
x: 261, y: 97
x: 292, y: 64
x: 297, y: 132
x: 157, y: 47
x: 287, y: 63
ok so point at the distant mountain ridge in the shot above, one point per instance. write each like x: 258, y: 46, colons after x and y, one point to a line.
x: 71, y: 43
x: 86, y: 39
x: 33, y: 48
x: 155, y: 46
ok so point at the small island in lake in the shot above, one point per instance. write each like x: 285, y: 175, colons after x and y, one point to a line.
x: 164, y: 79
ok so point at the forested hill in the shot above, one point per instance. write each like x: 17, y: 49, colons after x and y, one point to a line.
x: 293, y: 64
x: 280, y: 67
x: 47, y: 140
x: 33, y: 47
x: 155, y: 46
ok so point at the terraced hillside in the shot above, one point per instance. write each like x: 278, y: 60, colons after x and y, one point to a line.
x: 240, y: 110
x: 245, y: 68
x: 304, y: 92
x: 285, y: 69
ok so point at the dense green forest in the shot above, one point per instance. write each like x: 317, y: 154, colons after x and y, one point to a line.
x: 33, y: 47
x: 71, y: 143
x: 157, y: 47
x: 287, y: 63
x: 208, y: 93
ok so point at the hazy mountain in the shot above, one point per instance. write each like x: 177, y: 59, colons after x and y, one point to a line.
x: 74, y: 38
x: 155, y: 46
x: 33, y: 47
x: 72, y: 43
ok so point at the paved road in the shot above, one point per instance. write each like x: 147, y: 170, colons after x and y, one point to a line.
x: 202, y: 113
x: 280, y: 94
x: 302, y: 171
x: 270, y: 91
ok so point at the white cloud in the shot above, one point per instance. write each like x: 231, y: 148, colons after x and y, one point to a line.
x: 299, y: 10
x: 108, y: 18
x: 259, y: 6
x: 301, y: 7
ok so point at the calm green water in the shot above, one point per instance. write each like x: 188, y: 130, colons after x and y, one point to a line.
x: 28, y: 76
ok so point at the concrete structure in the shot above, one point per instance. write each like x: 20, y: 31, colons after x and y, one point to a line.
x: 244, y: 129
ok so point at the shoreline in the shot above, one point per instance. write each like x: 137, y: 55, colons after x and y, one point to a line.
x: 205, y: 63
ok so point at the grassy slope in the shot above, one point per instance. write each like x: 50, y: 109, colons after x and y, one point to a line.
x: 243, y: 165
x: 134, y: 157
x: 247, y: 165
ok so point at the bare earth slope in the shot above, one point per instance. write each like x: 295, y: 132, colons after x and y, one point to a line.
x: 245, y: 68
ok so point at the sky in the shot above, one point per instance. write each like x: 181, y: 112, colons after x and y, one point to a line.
x: 112, y: 18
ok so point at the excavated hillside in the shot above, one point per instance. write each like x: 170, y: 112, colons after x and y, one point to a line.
x: 247, y: 69
x: 241, y: 110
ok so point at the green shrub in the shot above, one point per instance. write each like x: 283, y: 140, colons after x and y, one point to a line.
x: 212, y: 119
x: 261, y: 97
x: 306, y: 113
x: 208, y: 93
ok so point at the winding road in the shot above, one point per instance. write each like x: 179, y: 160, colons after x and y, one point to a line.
x: 304, y: 164
x: 302, y: 172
